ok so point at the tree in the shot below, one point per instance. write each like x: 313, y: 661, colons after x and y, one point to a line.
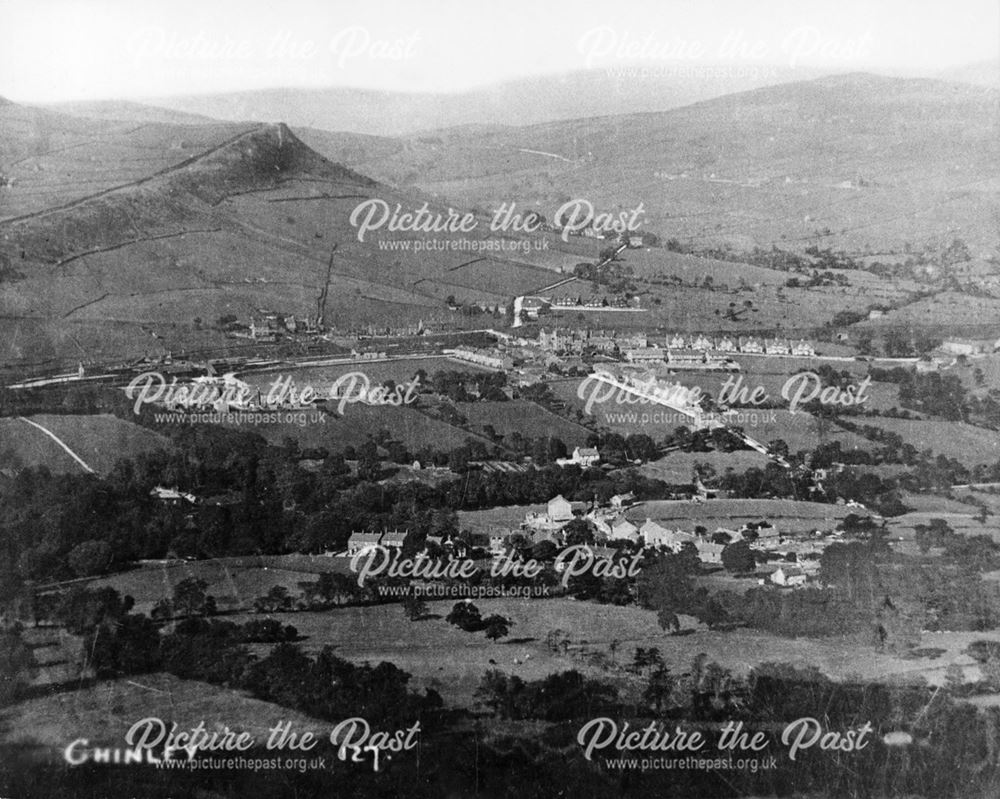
x: 497, y: 627
x: 659, y: 688
x: 578, y: 532
x: 737, y: 557
x: 191, y: 599
x: 414, y: 607
x: 17, y: 665
x: 465, y: 616
x: 90, y: 558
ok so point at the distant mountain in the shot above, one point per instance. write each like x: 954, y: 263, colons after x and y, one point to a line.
x: 982, y: 73
x: 852, y: 161
x: 126, y: 111
x: 620, y: 90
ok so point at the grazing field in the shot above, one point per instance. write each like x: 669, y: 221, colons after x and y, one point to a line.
x: 383, y: 633
x: 904, y: 527
x: 100, y: 440
x: 786, y: 515
x: 361, y: 422
x: 966, y: 443
x: 505, y: 518
x: 234, y: 582
x: 524, y: 417
x: 103, y: 713
x: 678, y: 467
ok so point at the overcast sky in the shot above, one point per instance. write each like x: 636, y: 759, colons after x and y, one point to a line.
x: 54, y: 50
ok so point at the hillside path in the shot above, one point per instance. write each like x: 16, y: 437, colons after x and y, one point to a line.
x: 61, y: 443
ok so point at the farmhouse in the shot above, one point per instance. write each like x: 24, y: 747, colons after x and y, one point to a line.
x: 559, y: 509
x: 709, y: 552
x: 586, y: 456
x: 623, y: 530
x: 788, y: 576
x: 655, y: 536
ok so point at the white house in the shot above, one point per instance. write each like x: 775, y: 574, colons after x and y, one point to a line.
x: 172, y: 495
x: 709, y: 552
x: 654, y: 535
x: 559, y: 509
x: 586, y: 456
x: 623, y: 530
x: 619, y: 501
x: 788, y: 576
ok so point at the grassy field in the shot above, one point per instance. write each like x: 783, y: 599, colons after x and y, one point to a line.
x: 234, y: 582
x: 524, y: 417
x: 104, y: 712
x: 360, y: 422
x: 786, y: 515
x: 677, y: 467
x: 903, y: 527
x: 383, y: 633
x: 100, y: 440
x: 968, y: 444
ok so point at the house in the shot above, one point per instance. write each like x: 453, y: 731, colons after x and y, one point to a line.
x: 623, y: 530
x: 676, y: 342
x: 777, y: 347
x: 394, y: 539
x: 655, y: 536
x: 559, y: 509
x: 586, y: 456
x: 702, y: 343
x: 803, y: 349
x: 619, y: 501
x: 685, y: 356
x: 961, y: 346
x: 709, y: 552
x: 600, y: 525
x: 644, y: 354
x: 726, y: 344
x: 360, y: 543
x: 788, y: 576
x: 751, y: 345
x: 549, y: 341
x: 533, y: 306
x: 498, y: 543
x: 491, y: 359
x: 172, y: 495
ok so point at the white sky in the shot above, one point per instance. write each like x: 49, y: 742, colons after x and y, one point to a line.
x: 53, y: 50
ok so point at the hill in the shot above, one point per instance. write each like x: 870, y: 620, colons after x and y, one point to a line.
x: 533, y: 100
x: 855, y: 161
x: 236, y: 220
